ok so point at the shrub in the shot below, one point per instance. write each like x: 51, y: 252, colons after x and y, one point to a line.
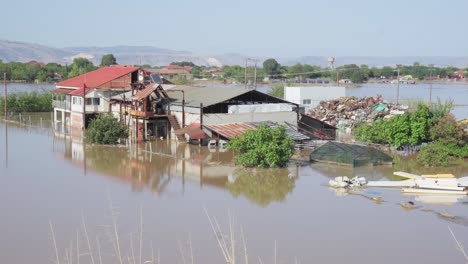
x: 105, y: 129
x: 28, y: 102
x: 264, y: 147
x: 440, y: 154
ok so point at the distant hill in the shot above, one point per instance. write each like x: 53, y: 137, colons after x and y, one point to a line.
x: 154, y: 56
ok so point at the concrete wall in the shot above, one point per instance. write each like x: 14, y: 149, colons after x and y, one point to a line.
x: 313, y: 93
x: 259, y: 108
x: 103, y: 104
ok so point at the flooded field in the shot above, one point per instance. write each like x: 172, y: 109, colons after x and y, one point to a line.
x: 159, y: 193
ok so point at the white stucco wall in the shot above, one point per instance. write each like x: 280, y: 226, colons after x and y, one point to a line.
x: 313, y: 93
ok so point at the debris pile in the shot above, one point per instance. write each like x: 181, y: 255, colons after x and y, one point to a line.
x: 347, y: 112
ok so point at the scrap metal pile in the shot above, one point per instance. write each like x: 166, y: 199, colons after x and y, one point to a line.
x: 348, y: 112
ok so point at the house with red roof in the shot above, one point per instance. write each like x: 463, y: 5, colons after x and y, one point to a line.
x: 79, y: 99
x: 133, y: 95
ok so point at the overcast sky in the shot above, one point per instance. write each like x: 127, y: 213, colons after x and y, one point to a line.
x: 252, y: 27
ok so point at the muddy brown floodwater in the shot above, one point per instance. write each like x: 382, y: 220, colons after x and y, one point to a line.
x: 159, y: 191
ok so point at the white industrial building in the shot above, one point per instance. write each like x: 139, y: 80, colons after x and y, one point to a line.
x: 310, y: 96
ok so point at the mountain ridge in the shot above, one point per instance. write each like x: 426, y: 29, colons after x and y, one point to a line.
x: 139, y: 55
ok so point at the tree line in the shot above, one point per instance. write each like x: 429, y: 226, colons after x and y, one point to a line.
x: 271, y: 69
x: 51, y: 72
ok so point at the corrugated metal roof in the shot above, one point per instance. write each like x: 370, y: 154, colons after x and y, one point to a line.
x: 98, y: 77
x: 231, y: 130
x: 193, y: 131
x: 206, y: 95
x: 145, y: 92
x: 295, y: 135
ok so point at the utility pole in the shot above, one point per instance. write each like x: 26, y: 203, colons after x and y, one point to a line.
x: 5, y: 96
x: 245, y: 74
x: 337, y: 78
x: 398, y: 83
x: 430, y: 85
x: 255, y: 75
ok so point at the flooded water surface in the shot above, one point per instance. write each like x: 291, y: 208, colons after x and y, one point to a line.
x: 166, y: 194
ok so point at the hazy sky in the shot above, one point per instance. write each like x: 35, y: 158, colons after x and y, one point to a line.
x: 252, y: 27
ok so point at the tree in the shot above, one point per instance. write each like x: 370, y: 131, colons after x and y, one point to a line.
x: 105, y: 129
x: 272, y: 68
x: 183, y: 63
x: 107, y: 60
x: 80, y: 66
x: 264, y: 147
x: 277, y: 90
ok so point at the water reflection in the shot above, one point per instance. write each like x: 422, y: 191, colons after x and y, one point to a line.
x: 262, y: 186
x: 152, y: 166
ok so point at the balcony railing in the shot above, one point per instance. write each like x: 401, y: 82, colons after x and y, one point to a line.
x: 61, y: 104
x: 135, y: 112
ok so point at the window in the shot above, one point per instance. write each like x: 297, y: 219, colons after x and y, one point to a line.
x: 306, y: 101
x: 93, y: 101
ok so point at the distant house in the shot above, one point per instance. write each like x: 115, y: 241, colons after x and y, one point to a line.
x: 41, y: 64
x: 457, y: 75
x: 216, y: 72
x: 171, y: 73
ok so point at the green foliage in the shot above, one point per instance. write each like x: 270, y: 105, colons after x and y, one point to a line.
x: 434, y: 155
x: 183, y: 63
x: 407, y: 129
x: 28, y: 102
x: 441, y: 154
x: 262, y: 186
x: 180, y: 80
x: 80, y: 66
x: 235, y: 72
x: 107, y: 60
x: 105, y: 129
x: 272, y: 68
x: 420, y: 122
x: 277, y: 90
x: 447, y: 131
x: 264, y: 147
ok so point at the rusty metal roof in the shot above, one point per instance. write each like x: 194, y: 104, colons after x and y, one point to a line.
x: 62, y: 91
x: 145, y: 92
x: 231, y: 130
x: 193, y: 131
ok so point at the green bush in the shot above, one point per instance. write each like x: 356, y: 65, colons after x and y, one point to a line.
x: 441, y: 154
x: 28, y: 102
x: 105, y: 129
x: 264, y: 147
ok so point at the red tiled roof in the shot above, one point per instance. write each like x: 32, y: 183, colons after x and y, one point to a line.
x: 231, y: 130
x: 80, y: 91
x: 97, y: 77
